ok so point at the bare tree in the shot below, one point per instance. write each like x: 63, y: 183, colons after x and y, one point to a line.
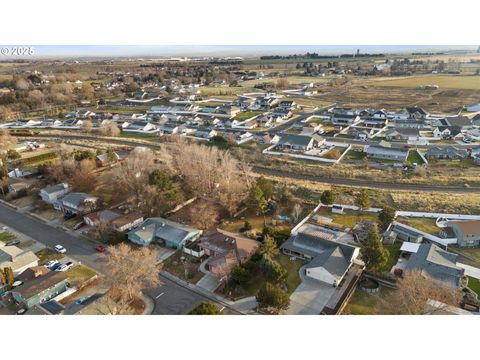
x: 8, y: 141
x: 87, y: 126
x: 131, y: 176
x: 414, y: 291
x: 109, y: 128
x: 203, y: 215
x: 129, y: 271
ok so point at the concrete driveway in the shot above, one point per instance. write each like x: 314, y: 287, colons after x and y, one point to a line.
x: 309, y: 298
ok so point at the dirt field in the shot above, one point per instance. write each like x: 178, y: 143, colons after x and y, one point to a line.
x: 443, y: 81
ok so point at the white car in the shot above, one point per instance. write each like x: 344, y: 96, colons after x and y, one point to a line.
x: 60, y: 249
x: 4, y: 228
x: 49, y: 264
x: 65, y: 267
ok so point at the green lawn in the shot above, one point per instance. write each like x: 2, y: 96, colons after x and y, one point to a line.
x: 393, y: 254
x: 354, y: 155
x: 362, y: 303
x: 292, y: 267
x: 79, y: 274
x: 414, y: 157
x: 350, y: 219
x: 6, y: 236
x: 45, y: 255
x: 474, y: 285
x: 427, y: 225
x: 247, y: 115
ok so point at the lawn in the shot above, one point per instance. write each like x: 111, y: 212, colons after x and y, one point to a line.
x: 6, y: 236
x: 45, y: 255
x: 362, y: 303
x: 474, y: 285
x: 79, y: 274
x: 247, y: 115
x: 292, y: 267
x: 426, y: 225
x: 414, y: 157
x: 443, y: 81
x: 355, y: 155
x: 350, y: 219
x: 393, y: 254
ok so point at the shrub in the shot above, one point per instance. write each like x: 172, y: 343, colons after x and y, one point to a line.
x: 273, y: 297
x: 205, y: 308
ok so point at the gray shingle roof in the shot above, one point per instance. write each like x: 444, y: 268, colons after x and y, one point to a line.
x: 333, y: 260
x: 297, y: 140
x: 436, y: 263
x: 166, y: 229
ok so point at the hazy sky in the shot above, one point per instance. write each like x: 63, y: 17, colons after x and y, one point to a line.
x: 222, y: 50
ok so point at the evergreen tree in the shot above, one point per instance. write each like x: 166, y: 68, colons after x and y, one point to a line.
x: 374, y: 253
x: 327, y: 197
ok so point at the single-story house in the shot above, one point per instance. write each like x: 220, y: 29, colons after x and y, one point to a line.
x: 51, y: 194
x: 298, y: 142
x: 383, y: 150
x: 473, y: 107
x: 446, y: 132
x: 77, y: 203
x: 17, y: 259
x: 165, y: 232
x: 329, y: 260
x: 344, y: 119
x: 118, y: 221
x: 41, y: 289
x: 402, y: 134
x: 467, y: 232
x: 436, y: 263
x: 226, y: 250
x: 409, y: 124
x: 448, y: 153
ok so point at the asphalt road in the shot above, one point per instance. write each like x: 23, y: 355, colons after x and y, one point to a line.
x: 78, y: 249
x: 175, y: 299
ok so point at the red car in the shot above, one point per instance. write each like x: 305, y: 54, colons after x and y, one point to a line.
x: 100, y: 248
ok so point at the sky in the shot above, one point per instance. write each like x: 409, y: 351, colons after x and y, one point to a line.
x: 83, y: 51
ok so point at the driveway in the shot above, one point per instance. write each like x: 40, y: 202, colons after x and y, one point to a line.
x: 209, y: 282
x: 470, y: 270
x: 309, y: 298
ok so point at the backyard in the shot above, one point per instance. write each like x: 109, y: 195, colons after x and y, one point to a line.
x: 474, y: 285
x: 362, y: 303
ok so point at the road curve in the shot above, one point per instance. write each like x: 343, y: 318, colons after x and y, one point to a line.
x: 272, y: 172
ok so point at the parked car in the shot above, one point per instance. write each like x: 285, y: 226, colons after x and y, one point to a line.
x: 56, y: 266
x: 79, y: 225
x: 82, y: 300
x: 60, y: 249
x: 100, y: 248
x: 12, y: 242
x: 65, y: 267
x: 4, y: 228
x: 50, y: 264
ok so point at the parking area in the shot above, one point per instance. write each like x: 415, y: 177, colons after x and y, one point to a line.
x: 310, y: 297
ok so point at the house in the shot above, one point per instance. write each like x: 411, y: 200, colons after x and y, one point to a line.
x: 375, y: 122
x: 446, y: 153
x: 329, y: 259
x: 405, y: 233
x: 284, y: 114
x: 116, y: 220
x: 360, y: 133
x: 32, y: 273
x: 51, y: 194
x: 226, y: 250
x: 17, y: 173
x: 383, y: 150
x: 473, y: 107
x: 460, y: 121
x: 298, y: 142
x: 408, y: 134
x: 41, y: 289
x: 466, y: 232
x: 416, y: 112
x: 344, y: 119
x: 17, y: 259
x: 287, y: 105
x: 436, y: 263
x: 165, y: 232
x: 409, y: 124
x: 140, y: 126
x: 77, y: 203
x: 446, y: 132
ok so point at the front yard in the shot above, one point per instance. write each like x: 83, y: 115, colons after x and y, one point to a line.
x: 45, y: 255
x: 176, y: 267
x: 79, y: 274
x: 6, y: 236
x: 292, y: 267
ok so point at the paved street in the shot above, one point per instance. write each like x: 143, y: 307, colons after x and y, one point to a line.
x: 78, y: 249
x: 170, y: 298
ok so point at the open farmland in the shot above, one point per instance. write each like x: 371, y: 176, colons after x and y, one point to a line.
x: 443, y: 81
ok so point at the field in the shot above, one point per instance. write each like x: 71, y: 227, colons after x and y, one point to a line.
x: 443, y: 81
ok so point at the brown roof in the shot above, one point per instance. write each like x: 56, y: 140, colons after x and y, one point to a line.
x: 126, y: 219
x: 471, y: 227
x: 33, y: 287
x: 32, y: 273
